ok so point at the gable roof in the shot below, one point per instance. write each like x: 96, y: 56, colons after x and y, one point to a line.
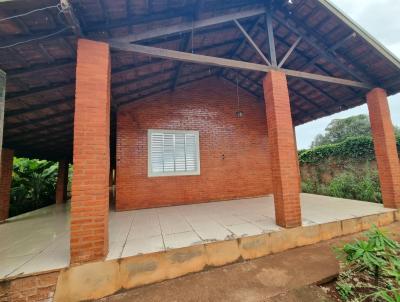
x: 41, y: 73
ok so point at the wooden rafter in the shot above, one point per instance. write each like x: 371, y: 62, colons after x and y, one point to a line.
x: 252, y: 43
x: 323, y: 52
x: 222, y: 62
x: 271, y: 38
x: 188, y: 26
x: 289, y: 52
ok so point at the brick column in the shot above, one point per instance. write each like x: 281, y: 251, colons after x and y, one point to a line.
x: 7, y: 156
x: 90, y: 193
x: 62, y: 181
x: 385, y: 147
x: 296, y: 153
x: 285, y: 172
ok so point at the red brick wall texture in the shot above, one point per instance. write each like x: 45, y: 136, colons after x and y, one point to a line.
x: 5, y: 182
x: 284, y: 162
x: 33, y: 288
x: 233, y: 151
x: 90, y: 185
x: 385, y: 147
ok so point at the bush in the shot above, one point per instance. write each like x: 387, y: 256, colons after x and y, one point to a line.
x: 33, y: 185
x: 352, y: 183
x: 371, y: 269
x: 355, y: 148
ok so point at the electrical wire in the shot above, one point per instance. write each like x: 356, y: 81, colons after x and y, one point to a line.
x: 35, y: 39
x: 58, y: 6
x: 60, y: 10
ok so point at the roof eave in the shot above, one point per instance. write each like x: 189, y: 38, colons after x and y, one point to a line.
x: 360, y: 31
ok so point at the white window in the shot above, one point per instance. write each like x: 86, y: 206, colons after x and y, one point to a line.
x: 173, y: 153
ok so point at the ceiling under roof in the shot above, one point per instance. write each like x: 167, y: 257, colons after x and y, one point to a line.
x: 41, y: 73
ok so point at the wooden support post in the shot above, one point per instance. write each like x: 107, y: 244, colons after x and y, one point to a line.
x: 2, y: 106
x: 62, y: 181
x: 271, y: 39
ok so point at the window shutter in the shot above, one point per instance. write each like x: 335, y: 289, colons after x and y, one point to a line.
x: 180, y: 161
x: 157, y: 152
x: 173, y: 152
x: 191, y: 152
x: 169, y: 152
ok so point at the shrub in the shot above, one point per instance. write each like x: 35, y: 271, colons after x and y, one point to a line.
x: 355, y: 148
x: 371, y: 269
x: 353, y: 183
x: 33, y: 185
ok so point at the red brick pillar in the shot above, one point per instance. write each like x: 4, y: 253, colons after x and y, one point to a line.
x: 90, y: 193
x: 285, y: 172
x: 385, y: 147
x: 62, y: 181
x: 7, y: 156
x: 296, y: 153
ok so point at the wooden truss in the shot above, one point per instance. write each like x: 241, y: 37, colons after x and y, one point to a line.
x: 126, y: 43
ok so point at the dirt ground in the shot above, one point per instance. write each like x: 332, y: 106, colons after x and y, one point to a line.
x: 283, y: 277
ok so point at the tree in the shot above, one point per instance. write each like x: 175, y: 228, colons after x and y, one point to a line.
x: 340, y: 129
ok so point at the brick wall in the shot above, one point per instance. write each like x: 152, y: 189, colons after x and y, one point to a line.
x: 5, y: 182
x: 32, y: 288
x: 284, y: 161
x: 385, y: 147
x: 90, y: 182
x: 233, y: 151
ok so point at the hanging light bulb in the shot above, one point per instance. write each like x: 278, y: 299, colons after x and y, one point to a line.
x: 239, y: 113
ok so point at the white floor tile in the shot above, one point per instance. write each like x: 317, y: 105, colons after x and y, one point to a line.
x: 143, y: 246
x: 212, y: 231
x: 39, y: 240
x: 174, y: 241
x: 246, y: 229
x: 8, y: 265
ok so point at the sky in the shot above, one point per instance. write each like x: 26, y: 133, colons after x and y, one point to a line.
x: 381, y: 19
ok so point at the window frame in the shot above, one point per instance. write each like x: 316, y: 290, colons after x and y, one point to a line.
x: 150, y: 172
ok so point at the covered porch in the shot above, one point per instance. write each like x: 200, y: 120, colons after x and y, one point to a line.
x: 238, y: 75
x: 39, y: 241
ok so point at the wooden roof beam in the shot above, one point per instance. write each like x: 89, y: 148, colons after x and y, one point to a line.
x: 252, y: 43
x: 29, y: 122
x: 161, y: 89
x: 188, y: 26
x: 271, y: 38
x: 185, y: 42
x: 323, y: 51
x: 291, y: 90
x: 38, y: 107
x: 44, y: 129
x: 222, y: 62
x: 289, y: 52
x: 70, y: 17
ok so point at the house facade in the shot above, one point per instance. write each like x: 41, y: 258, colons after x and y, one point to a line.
x: 187, y: 103
x: 230, y: 160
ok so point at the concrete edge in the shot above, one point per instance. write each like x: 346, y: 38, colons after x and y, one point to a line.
x: 99, y: 279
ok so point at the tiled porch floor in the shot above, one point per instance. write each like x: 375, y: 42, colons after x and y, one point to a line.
x: 39, y: 241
